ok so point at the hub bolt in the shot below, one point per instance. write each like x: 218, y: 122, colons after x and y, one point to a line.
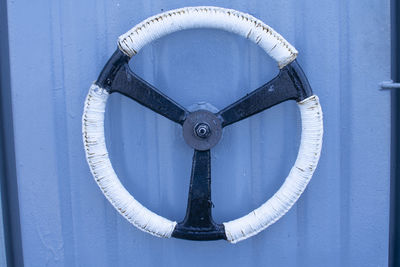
x: 202, y: 130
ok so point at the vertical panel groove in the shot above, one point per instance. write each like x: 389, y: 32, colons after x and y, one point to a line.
x: 345, y: 134
x: 61, y: 141
x: 11, y: 246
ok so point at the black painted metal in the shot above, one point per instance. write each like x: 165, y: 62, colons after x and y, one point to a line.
x: 202, y: 119
x: 198, y: 223
x: 107, y: 75
x: 202, y: 129
x: 289, y: 84
x: 129, y: 84
x: 299, y: 80
x: 116, y: 76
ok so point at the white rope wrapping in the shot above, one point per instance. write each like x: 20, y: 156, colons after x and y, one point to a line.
x: 236, y: 230
x: 203, y: 17
x: 104, y: 174
x: 208, y: 17
x: 295, y: 183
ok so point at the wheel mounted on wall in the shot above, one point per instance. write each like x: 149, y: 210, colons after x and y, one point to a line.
x: 202, y: 128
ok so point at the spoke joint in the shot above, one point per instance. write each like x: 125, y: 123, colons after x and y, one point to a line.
x: 110, y: 70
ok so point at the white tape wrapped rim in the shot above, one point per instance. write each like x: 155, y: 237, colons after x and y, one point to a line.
x: 203, y: 17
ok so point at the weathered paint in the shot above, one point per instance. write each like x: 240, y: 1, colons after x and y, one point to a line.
x: 57, y: 49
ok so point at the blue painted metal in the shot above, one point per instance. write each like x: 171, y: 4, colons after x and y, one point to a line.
x: 3, y: 199
x: 57, y: 48
x: 394, y: 241
x: 10, y: 235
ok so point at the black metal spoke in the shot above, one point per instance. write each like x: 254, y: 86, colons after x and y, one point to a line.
x: 118, y: 77
x: 129, y: 84
x: 289, y: 84
x: 198, y: 223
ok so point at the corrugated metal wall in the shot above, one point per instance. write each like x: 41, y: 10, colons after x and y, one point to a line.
x: 57, y: 48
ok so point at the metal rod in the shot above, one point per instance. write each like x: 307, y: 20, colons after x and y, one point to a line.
x: 390, y: 85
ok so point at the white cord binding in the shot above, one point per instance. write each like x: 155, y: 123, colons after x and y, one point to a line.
x: 208, y: 17
x: 295, y: 183
x: 104, y: 174
x: 198, y: 17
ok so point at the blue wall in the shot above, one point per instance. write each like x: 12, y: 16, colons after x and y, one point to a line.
x: 57, y: 48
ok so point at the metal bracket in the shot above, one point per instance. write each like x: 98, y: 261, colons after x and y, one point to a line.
x: 389, y: 85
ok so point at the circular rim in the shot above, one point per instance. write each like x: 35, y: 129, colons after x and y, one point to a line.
x: 225, y: 19
x: 198, y: 17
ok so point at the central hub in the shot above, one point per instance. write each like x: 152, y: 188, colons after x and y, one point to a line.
x: 202, y: 129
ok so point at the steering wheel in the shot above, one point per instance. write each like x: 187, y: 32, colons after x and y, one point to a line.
x: 202, y: 128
